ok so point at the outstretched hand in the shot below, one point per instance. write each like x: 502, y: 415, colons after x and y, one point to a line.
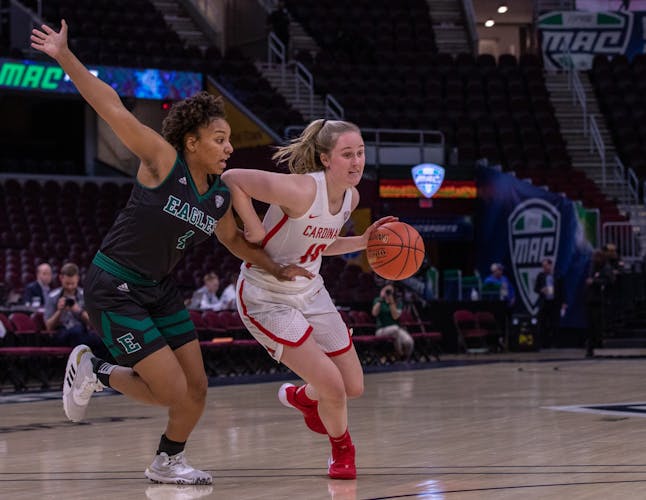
x: 376, y: 225
x: 49, y: 41
x: 290, y: 271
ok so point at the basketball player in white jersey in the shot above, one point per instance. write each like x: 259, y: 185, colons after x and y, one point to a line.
x: 296, y: 321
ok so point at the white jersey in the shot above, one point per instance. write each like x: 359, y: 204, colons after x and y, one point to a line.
x: 299, y: 241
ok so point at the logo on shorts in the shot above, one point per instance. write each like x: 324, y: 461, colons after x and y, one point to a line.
x: 123, y: 287
x: 128, y: 343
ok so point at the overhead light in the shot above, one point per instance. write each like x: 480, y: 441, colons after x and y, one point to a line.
x: 489, y: 23
x: 502, y: 8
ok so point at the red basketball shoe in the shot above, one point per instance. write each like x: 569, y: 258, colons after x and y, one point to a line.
x: 287, y: 396
x: 341, y: 464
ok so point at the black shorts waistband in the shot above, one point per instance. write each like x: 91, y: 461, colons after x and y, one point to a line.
x: 115, y: 269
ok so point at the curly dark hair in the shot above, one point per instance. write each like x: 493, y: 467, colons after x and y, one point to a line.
x: 189, y: 115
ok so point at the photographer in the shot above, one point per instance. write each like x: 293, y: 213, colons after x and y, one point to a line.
x: 387, y: 311
x: 65, y: 312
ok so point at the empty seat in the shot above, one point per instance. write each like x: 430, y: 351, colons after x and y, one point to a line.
x: 470, y: 336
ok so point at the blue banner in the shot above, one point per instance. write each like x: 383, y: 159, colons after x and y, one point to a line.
x: 40, y: 76
x: 572, y: 38
x: 519, y: 225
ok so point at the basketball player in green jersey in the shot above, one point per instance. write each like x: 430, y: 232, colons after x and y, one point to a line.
x: 177, y: 202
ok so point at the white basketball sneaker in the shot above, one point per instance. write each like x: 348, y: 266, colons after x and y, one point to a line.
x: 80, y: 383
x: 175, y: 469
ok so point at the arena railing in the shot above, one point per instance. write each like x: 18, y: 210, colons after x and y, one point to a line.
x: 277, y: 55
x: 304, y: 82
x: 470, y: 18
x: 333, y: 109
x: 385, y: 146
x: 597, y: 144
x: 626, y: 177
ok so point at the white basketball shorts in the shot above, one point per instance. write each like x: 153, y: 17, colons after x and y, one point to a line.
x: 276, y: 319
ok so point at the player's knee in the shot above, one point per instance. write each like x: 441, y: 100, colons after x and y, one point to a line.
x: 354, y: 389
x: 197, y: 390
x: 333, y: 392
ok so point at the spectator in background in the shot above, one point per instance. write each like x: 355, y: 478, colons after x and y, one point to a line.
x: 278, y: 22
x: 507, y: 292
x: 37, y: 291
x: 613, y: 259
x: 613, y: 299
x: 598, y: 284
x: 551, y: 306
x: 206, y: 297
x: 387, y: 310
x: 228, y: 297
x: 65, y: 313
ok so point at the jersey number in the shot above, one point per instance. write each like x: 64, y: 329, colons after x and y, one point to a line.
x: 181, y: 241
x: 312, y: 253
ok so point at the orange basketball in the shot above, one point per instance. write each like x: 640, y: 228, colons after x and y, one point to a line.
x: 395, y: 251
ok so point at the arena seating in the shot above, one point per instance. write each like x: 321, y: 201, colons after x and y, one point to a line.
x: 620, y: 86
x: 575, y: 185
x: 472, y: 335
x: 27, y: 358
x: 394, y: 77
x: 22, y: 365
x: 29, y: 362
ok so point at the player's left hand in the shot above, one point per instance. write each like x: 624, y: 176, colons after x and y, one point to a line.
x: 384, y: 220
x: 49, y: 41
x: 290, y: 271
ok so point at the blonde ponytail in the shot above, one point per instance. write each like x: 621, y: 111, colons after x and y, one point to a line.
x: 303, y: 154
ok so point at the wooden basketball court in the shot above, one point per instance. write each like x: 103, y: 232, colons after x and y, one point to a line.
x: 472, y: 431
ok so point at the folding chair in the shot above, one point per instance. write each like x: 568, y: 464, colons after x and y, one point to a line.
x: 466, y: 326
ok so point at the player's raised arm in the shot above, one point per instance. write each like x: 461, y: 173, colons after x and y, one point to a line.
x: 144, y: 142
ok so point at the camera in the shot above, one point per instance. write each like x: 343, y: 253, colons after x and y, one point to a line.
x: 388, y: 292
x: 69, y: 302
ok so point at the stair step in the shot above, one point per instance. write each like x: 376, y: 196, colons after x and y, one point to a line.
x: 611, y: 343
x: 632, y: 332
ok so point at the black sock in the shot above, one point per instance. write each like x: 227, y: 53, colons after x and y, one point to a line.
x: 103, y: 369
x: 170, y: 447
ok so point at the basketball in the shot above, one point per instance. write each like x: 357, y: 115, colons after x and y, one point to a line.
x: 395, y: 251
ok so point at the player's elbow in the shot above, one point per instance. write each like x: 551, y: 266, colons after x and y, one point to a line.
x: 229, y: 178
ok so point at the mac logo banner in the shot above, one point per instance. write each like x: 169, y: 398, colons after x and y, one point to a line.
x: 428, y: 178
